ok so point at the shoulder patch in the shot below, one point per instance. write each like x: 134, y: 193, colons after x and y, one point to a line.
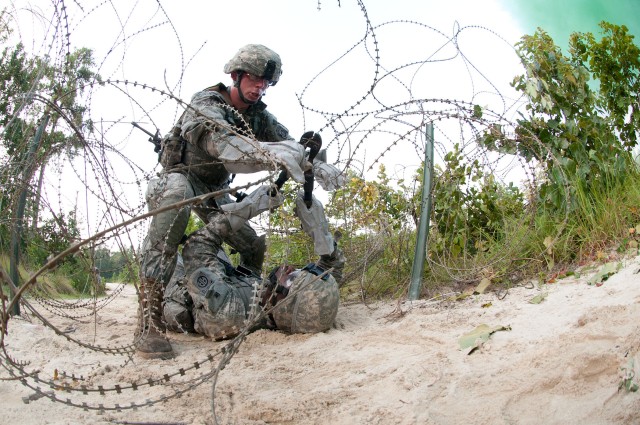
x: 281, y: 131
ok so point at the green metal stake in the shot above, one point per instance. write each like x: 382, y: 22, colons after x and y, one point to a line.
x: 425, y: 213
x: 16, y: 231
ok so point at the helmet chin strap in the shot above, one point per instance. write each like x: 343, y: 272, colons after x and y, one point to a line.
x: 237, y: 85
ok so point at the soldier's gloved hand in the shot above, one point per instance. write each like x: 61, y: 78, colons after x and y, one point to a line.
x: 328, y: 175
x: 291, y: 156
x: 263, y: 199
x: 256, y: 202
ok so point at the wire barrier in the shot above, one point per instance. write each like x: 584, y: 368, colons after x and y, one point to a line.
x: 370, y: 100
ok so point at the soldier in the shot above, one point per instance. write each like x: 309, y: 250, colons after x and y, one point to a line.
x: 224, y: 130
x: 209, y: 296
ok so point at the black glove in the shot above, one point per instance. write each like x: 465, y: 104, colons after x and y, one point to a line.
x: 313, y: 141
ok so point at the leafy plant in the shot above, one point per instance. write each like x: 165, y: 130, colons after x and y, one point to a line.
x: 571, y: 131
x: 470, y: 207
x: 615, y: 62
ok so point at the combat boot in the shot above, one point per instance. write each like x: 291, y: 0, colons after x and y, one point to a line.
x: 150, y: 339
x: 253, y: 258
x: 336, y: 260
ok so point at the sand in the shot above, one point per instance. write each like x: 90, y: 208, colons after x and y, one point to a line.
x: 560, y: 361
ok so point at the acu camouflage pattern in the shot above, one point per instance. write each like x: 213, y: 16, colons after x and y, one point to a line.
x: 219, y: 303
x: 254, y: 59
x: 311, y: 305
x: 166, y: 230
x: 222, y: 304
x: 212, y: 122
x: 200, y: 173
x: 159, y: 249
x: 314, y: 223
x: 222, y: 297
x: 172, y: 149
x: 335, y: 261
x: 202, y: 248
x: 177, y: 302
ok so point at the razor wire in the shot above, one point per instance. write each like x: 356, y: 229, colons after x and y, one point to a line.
x: 385, y: 117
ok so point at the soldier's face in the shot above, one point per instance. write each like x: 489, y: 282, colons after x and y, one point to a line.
x: 252, y: 87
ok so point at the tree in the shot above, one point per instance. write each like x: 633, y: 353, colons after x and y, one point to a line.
x: 576, y: 134
x: 64, y: 87
x: 615, y: 62
x: 38, y: 92
x: 32, y: 88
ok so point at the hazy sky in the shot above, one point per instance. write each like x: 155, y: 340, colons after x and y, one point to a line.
x: 562, y: 17
x: 184, y: 45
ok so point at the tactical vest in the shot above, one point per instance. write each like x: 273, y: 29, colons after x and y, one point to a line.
x: 176, y: 151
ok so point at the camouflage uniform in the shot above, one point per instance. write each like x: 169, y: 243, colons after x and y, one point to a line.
x: 210, y: 141
x: 202, y: 172
x: 311, y: 302
x: 221, y: 298
x: 219, y: 301
x: 216, y: 302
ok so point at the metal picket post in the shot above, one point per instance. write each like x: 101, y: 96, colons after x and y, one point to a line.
x: 425, y: 214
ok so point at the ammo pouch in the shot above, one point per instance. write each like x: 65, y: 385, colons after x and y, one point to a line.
x: 172, y: 148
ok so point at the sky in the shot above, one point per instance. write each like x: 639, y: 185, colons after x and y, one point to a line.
x: 561, y: 18
x: 458, y: 50
x: 183, y: 48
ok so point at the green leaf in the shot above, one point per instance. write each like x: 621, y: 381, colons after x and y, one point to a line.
x: 538, y: 298
x: 482, y: 286
x: 474, y: 339
x: 628, y: 375
x: 477, y: 111
x: 531, y: 89
x: 604, y: 273
x: 464, y: 294
x: 548, y: 243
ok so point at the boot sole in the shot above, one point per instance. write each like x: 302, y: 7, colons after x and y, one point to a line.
x: 163, y: 355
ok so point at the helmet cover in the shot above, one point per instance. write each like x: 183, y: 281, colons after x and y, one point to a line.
x: 311, y: 304
x: 258, y: 60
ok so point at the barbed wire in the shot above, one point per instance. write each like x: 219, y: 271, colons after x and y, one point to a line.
x: 387, y: 118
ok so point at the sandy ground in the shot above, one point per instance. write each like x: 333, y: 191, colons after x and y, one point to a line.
x: 557, y: 362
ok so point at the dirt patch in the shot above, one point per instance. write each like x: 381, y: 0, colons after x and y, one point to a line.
x: 560, y: 363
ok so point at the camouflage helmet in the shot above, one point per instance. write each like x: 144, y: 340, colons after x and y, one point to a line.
x: 311, y: 304
x: 258, y: 60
